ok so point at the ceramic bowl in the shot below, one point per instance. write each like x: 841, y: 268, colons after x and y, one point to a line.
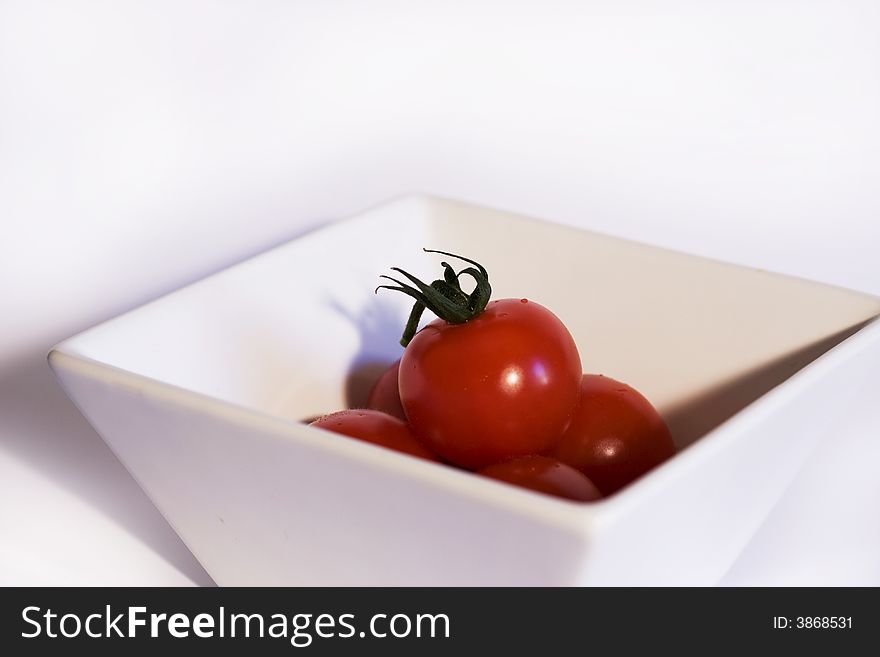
x: 202, y: 394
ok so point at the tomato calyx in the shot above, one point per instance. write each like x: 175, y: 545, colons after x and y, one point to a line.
x: 443, y: 297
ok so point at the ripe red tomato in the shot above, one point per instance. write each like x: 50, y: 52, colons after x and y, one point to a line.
x: 501, y: 385
x: 377, y: 428
x: 385, y: 395
x: 544, y: 475
x: 615, y: 435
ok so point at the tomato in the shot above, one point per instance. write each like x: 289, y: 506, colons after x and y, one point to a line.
x: 385, y: 395
x: 544, y: 475
x: 615, y: 435
x: 377, y: 428
x: 484, y: 382
x: 501, y: 385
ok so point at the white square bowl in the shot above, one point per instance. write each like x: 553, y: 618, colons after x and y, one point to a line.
x: 201, y: 393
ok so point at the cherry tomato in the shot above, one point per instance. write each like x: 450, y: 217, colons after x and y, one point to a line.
x: 377, y: 428
x: 385, y: 395
x: 544, y: 475
x: 615, y: 435
x: 501, y: 385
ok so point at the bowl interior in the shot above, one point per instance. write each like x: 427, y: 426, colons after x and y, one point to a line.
x: 297, y: 331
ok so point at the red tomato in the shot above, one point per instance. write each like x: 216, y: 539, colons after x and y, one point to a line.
x: 615, y: 436
x: 385, y: 395
x: 544, y: 475
x: 501, y: 385
x: 377, y: 428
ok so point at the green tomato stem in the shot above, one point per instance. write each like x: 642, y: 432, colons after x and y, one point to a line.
x: 443, y: 297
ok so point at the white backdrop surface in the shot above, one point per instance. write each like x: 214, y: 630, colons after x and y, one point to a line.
x: 144, y: 145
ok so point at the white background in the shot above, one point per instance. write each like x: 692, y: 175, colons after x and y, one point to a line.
x: 146, y: 144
